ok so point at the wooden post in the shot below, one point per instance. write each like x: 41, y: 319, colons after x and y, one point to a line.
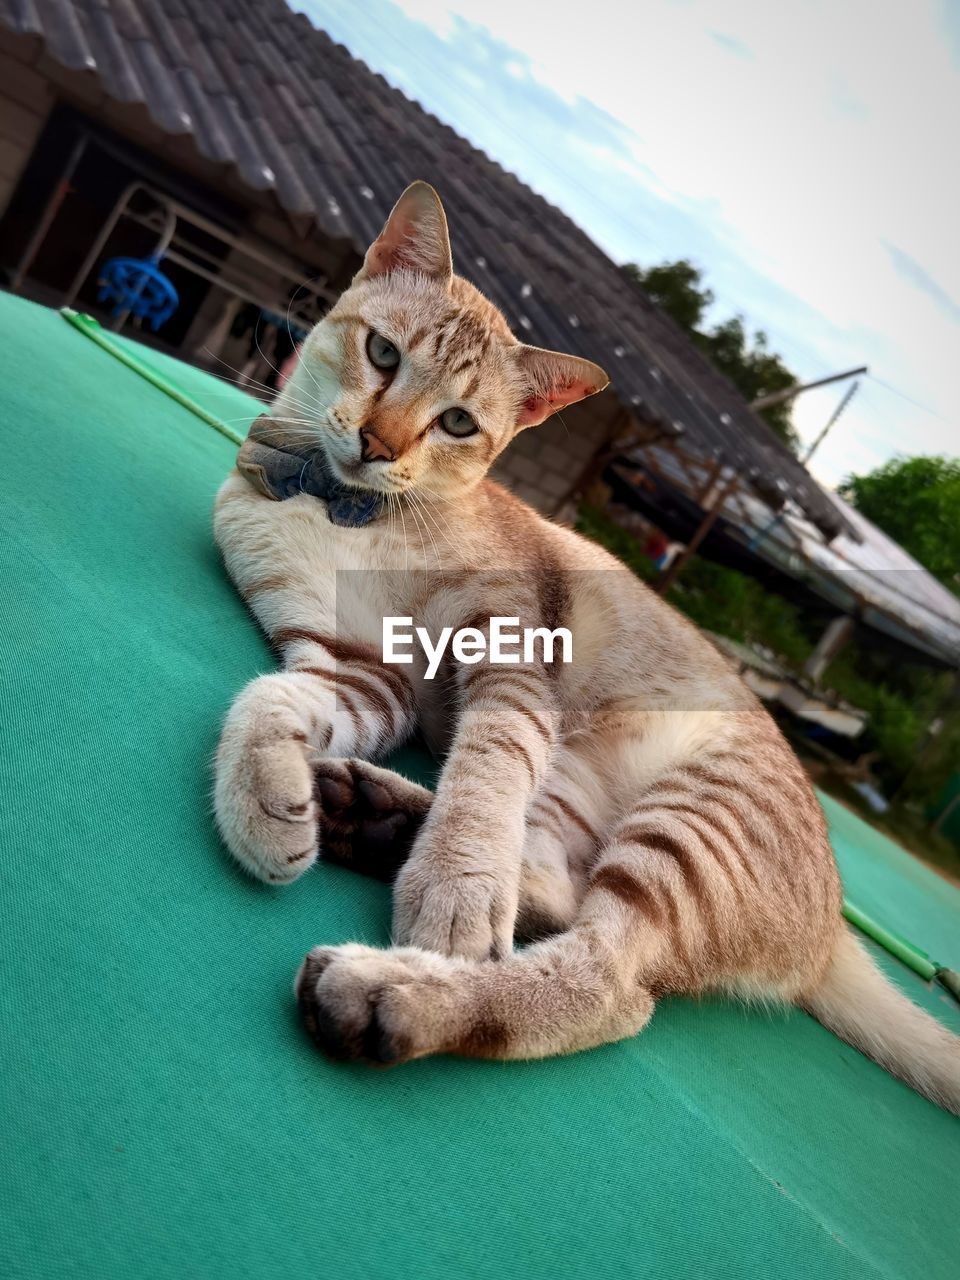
x: 713, y: 475
x: 837, y: 634
x: 706, y: 524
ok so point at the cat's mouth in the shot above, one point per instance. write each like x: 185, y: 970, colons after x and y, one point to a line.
x: 360, y: 475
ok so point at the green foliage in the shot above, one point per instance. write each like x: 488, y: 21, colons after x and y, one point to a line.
x: 900, y: 698
x: 894, y: 725
x: 754, y: 370
x: 596, y: 525
x: 732, y: 604
x: 715, y: 598
x: 917, y: 502
x: 677, y: 287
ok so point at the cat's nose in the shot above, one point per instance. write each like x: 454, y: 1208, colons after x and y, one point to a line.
x: 373, y: 448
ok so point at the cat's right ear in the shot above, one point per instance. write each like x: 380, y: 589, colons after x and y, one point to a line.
x: 414, y: 238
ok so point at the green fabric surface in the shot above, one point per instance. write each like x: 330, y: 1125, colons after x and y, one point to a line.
x: 218, y: 394
x: 163, y: 1116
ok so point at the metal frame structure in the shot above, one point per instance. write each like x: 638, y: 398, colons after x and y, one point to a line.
x: 163, y: 215
x: 166, y: 214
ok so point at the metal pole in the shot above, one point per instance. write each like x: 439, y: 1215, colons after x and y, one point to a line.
x: 779, y: 397
x: 159, y: 249
x: 851, y: 392
x: 76, y: 284
x: 56, y: 199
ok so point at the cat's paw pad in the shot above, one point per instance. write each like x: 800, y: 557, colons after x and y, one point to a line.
x: 370, y: 816
x: 382, y: 1007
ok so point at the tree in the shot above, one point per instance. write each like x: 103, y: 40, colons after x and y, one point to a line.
x: 917, y: 502
x: 677, y: 287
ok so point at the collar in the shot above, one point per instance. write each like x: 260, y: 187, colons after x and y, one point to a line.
x: 278, y: 472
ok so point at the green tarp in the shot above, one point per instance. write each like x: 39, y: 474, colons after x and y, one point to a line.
x: 165, y: 1118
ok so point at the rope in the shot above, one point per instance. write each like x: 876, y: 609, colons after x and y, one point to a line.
x: 91, y: 328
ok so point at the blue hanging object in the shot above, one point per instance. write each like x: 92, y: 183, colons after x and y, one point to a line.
x: 138, y: 286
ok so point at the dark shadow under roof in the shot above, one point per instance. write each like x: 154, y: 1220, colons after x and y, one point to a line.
x: 259, y: 88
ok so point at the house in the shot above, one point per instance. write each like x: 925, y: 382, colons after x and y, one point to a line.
x: 262, y: 155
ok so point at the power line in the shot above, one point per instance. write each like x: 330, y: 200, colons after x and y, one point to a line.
x: 903, y: 396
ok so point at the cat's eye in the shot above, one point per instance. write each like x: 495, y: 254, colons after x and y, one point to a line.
x: 457, y: 422
x: 383, y: 354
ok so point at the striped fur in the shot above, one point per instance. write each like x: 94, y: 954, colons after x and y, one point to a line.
x: 636, y: 810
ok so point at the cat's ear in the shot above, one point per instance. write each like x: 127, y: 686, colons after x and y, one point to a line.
x: 414, y: 238
x: 551, y: 381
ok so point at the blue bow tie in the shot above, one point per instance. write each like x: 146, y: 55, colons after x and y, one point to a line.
x: 279, y: 473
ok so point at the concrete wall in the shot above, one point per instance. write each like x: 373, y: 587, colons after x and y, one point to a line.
x: 543, y: 463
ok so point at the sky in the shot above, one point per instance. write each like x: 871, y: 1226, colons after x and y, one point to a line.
x: 803, y: 154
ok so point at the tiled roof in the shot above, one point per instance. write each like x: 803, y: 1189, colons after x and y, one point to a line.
x: 259, y: 88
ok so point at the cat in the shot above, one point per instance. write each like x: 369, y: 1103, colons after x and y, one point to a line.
x: 635, y: 814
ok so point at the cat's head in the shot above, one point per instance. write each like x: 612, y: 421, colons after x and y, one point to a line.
x: 413, y: 381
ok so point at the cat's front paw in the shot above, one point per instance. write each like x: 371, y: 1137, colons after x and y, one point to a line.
x: 264, y: 796
x: 469, y: 912
x: 382, y: 1007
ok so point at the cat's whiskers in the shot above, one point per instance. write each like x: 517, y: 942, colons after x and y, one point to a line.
x: 248, y: 381
x: 423, y: 546
x: 403, y: 523
x: 303, y: 285
x: 393, y: 531
x: 270, y: 392
x: 245, y: 417
x: 417, y: 504
x: 256, y: 339
x: 563, y: 422
x: 428, y: 515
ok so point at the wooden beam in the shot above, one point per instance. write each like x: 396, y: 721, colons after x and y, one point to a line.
x: 706, y: 524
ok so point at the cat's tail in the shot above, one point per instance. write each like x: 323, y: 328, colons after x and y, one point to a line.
x: 857, y: 1003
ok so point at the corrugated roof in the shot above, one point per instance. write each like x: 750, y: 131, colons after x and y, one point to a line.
x: 259, y: 88
x: 868, y: 576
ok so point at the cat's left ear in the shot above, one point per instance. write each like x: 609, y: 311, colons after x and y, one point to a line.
x: 414, y: 238
x: 552, y: 380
